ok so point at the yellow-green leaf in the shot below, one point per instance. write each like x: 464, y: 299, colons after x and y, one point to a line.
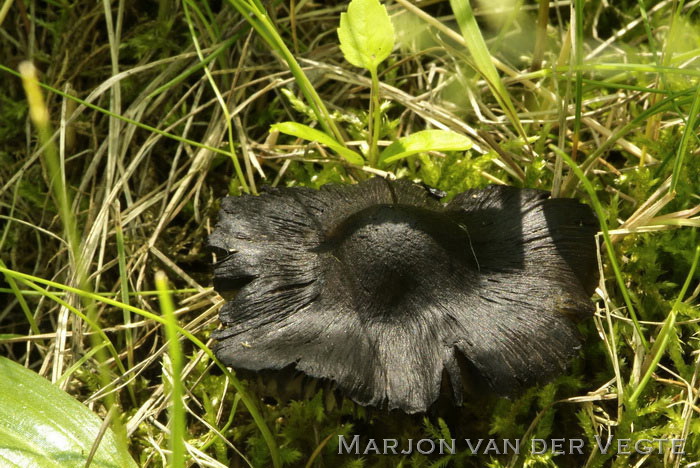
x: 426, y: 140
x: 41, y: 425
x: 307, y: 133
x: 366, y: 34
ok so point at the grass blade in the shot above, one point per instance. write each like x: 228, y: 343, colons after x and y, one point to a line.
x: 256, y: 15
x: 598, y: 207
x: 245, y: 397
x: 689, y: 134
x: 483, y: 62
x: 177, y: 406
x: 663, y: 338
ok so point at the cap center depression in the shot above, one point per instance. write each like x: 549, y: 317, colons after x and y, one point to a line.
x: 391, y: 250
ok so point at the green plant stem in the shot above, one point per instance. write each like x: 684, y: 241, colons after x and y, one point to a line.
x: 19, y: 295
x: 143, y: 126
x: 624, y: 130
x: 256, y: 15
x: 131, y: 293
x: 606, y: 237
x: 689, y: 134
x: 215, y: 53
x: 103, y: 338
x: 483, y: 62
x: 124, y: 289
x: 39, y: 114
x: 664, y: 336
x: 40, y: 117
x: 6, y: 4
x: 13, y: 286
x: 245, y: 398
x: 177, y: 407
x: 375, y: 119
x: 222, y: 103
x: 540, y: 35
x: 578, y: 85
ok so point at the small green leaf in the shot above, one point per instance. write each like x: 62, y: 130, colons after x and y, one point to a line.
x: 40, y: 425
x: 366, y: 34
x: 307, y: 133
x: 426, y: 140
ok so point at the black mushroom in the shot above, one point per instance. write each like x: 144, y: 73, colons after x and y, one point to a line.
x: 383, y: 290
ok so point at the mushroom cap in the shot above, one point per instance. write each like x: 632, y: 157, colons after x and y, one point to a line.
x: 382, y: 289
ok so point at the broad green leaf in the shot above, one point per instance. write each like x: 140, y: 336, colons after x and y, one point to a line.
x: 426, y: 140
x: 40, y: 425
x: 366, y: 34
x: 307, y: 133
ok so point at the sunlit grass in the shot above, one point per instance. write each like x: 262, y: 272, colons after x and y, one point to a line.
x: 173, y: 111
